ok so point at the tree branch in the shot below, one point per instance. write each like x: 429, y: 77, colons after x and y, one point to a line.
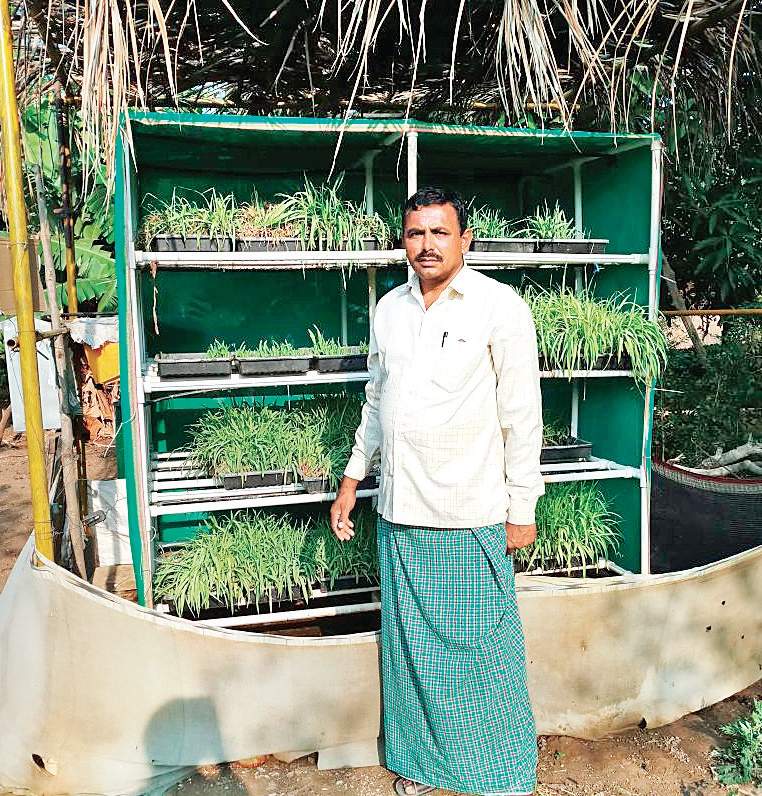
x: 714, y: 17
x: 747, y: 451
x: 679, y: 303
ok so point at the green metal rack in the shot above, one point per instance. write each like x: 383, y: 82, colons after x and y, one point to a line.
x: 179, y: 301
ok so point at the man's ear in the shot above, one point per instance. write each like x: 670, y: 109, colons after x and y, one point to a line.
x: 465, y: 240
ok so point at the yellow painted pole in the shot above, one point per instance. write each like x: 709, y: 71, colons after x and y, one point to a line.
x: 22, y: 287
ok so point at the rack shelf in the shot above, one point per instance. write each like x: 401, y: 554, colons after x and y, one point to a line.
x: 297, y: 261
x: 153, y: 383
x: 175, y: 490
x: 158, y: 484
x: 258, y: 618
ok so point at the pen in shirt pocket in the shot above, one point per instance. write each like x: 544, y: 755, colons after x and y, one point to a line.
x: 444, y: 337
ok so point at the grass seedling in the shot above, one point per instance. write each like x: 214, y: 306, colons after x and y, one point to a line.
x: 238, y: 439
x: 393, y: 216
x: 555, y: 433
x: 209, y: 215
x: 314, y: 437
x: 574, y: 529
x: 324, y: 221
x: 259, y: 557
x: 271, y: 220
x: 548, y: 224
x: 575, y: 329
x: 323, y: 346
x: 218, y: 349
x: 489, y: 222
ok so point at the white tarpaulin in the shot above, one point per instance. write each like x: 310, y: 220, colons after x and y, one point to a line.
x: 100, y: 696
x: 46, y: 370
x: 94, y: 332
x: 112, y: 533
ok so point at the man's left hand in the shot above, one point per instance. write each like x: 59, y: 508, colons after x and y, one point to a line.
x: 519, y: 536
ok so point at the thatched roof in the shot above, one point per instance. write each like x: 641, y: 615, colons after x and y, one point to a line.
x: 620, y: 64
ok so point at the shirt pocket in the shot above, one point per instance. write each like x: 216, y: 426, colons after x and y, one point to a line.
x: 455, y: 363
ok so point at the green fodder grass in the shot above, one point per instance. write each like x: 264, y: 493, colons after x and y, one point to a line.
x: 575, y: 527
x: 258, y: 557
x: 548, y: 224
x: 575, y: 329
x: 489, y: 222
x: 314, y: 436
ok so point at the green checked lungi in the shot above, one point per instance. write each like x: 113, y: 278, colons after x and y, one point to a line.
x: 456, y: 707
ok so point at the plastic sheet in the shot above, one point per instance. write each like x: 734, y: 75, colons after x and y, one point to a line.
x: 101, y: 696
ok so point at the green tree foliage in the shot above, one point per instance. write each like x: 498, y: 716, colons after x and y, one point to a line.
x: 94, y: 219
x: 700, y: 409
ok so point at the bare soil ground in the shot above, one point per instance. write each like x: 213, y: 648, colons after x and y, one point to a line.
x: 666, y: 761
x: 670, y: 761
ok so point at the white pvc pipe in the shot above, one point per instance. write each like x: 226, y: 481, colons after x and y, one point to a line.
x: 253, y: 620
x: 577, y: 171
x: 369, y: 183
x: 135, y: 355
x: 412, y: 162
x: 372, y: 299
x: 655, y: 231
x: 187, y: 505
x: 321, y: 259
x: 645, y: 524
x: 343, y: 310
x: 574, y: 425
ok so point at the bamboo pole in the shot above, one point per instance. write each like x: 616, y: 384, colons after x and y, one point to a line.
x: 721, y: 312
x: 68, y: 456
x: 22, y: 288
x: 67, y: 222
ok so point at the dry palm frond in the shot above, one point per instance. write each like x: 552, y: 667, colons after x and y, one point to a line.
x: 465, y: 60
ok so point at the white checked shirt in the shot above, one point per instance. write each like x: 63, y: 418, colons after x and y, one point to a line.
x: 453, y: 406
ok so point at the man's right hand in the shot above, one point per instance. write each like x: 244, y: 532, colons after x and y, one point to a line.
x: 341, y: 508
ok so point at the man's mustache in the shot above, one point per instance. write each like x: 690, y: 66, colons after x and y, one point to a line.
x: 428, y: 256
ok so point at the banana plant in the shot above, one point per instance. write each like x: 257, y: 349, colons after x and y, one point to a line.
x: 94, y: 224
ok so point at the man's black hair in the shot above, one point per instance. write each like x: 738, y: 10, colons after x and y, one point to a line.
x: 424, y: 197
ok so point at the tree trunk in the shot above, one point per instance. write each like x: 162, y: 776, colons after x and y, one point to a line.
x: 68, y: 456
x: 679, y: 304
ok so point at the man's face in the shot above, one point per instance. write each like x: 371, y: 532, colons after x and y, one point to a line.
x: 433, y: 242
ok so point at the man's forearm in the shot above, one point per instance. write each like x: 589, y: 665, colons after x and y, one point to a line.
x: 348, y: 484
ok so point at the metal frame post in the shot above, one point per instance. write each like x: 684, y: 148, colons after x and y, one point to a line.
x: 136, y: 351
x: 412, y: 162
x: 654, y: 244
x: 370, y: 203
x: 22, y: 288
x: 412, y: 171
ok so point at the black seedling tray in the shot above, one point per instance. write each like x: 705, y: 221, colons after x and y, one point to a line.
x: 571, y: 450
x: 369, y: 482
x: 603, y: 362
x: 254, y: 480
x: 314, y: 484
x: 288, y: 245
x: 264, y: 366
x: 344, y: 363
x: 578, y: 246
x: 176, y: 243
x: 178, y: 366
x: 517, y: 245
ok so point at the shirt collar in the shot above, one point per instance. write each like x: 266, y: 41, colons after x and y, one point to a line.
x: 458, y: 284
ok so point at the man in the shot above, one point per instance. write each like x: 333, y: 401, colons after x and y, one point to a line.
x: 453, y: 410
